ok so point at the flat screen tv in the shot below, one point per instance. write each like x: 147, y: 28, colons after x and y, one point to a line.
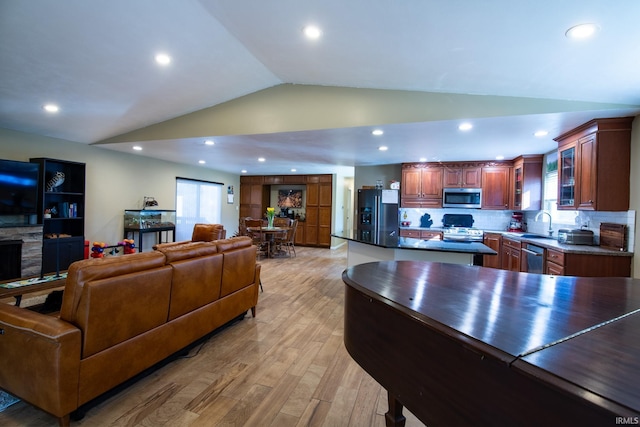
x: 18, y: 187
x: 290, y: 198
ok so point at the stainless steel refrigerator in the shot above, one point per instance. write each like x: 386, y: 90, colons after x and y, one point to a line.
x: 377, y: 215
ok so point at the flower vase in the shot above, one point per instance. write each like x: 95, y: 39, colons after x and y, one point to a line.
x: 270, y: 222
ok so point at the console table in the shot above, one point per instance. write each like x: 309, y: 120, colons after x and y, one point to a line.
x: 142, y: 231
x: 22, y: 287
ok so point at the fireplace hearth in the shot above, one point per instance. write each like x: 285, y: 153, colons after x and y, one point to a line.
x: 28, y: 239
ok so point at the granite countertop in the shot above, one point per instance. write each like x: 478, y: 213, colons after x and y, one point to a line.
x: 549, y: 243
x: 395, y: 242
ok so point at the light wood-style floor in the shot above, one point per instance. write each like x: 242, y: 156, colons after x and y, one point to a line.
x: 286, y: 367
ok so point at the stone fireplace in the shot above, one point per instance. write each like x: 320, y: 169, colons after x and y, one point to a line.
x: 31, y: 247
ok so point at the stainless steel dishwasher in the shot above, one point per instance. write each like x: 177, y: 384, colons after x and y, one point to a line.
x: 532, y: 258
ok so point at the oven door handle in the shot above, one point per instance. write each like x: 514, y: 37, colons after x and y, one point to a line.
x: 532, y: 252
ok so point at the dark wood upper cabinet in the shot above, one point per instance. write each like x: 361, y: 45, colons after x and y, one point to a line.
x: 594, y: 166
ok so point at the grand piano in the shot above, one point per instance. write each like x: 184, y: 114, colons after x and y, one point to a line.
x: 471, y: 346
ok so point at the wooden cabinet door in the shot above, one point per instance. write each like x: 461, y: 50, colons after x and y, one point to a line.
x: 431, y: 183
x: 554, y: 269
x: 567, y: 177
x: 468, y: 177
x: 493, y: 241
x: 452, y: 177
x: 471, y: 177
x: 411, y: 184
x: 495, y: 188
x: 587, y: 172
x: 311, y: 226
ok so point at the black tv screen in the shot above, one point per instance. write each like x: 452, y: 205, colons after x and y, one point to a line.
x: 18, y: 187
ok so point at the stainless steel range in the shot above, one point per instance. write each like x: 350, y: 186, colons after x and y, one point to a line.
x: 459, y: 228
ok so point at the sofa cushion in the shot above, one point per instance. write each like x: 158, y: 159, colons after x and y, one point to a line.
x: 233, y: 243
x: 114, y: 299
x: 239, y: 264
x: 186, y: 250
x: 196, y: 282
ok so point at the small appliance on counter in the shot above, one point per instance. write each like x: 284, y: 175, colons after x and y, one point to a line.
x: 575, y: 236
x: 516, y: 223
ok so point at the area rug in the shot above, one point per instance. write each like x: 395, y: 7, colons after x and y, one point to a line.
x: 7, y: 400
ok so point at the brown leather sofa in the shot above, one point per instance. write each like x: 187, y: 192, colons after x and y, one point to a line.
x: 121, y: 315
x: 201, y: 233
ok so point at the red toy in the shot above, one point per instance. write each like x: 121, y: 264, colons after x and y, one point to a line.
x: 129, y: 246
x: 97, y: 251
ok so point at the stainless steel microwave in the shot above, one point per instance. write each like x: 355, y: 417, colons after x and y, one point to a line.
x: 469, y: 198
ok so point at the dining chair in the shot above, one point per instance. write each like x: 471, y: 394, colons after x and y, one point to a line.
x: 288, y: 238
x: 253, y: 227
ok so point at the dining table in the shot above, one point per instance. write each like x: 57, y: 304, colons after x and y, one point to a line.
x: 270, y: 234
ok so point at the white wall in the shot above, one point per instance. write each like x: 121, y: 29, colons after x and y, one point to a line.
x: 117, y: 181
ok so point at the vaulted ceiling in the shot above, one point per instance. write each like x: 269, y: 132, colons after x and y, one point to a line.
x: 243, y: 75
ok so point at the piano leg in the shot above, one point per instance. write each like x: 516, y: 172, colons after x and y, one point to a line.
x: 394, y: 417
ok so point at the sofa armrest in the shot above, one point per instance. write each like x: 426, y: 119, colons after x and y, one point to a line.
x: 40, y: 359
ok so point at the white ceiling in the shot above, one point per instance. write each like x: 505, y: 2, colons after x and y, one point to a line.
x: 95, y: 59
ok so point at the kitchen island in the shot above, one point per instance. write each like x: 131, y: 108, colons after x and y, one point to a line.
x: 388, y: 248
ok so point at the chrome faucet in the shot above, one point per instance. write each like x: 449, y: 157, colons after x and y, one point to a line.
x: 549, y: 215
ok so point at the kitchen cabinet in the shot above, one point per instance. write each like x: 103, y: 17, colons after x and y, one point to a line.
x: 421, y: 234
x: 495, y: 187
x: 526, y: 186
x: 462, y: 176
x: 63, y: 228
x: 318, y: 211
x: 254, y: 197
x: 594, y: 166
x: 421, y: 186
x: 494, y: 241
x: 559, y: 263
x: 510, y: 254
x: 554, y: 263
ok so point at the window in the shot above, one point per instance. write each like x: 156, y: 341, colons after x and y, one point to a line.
x: 196, y: 202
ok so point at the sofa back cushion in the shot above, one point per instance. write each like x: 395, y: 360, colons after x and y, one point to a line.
x: 114, y: 299
x: 239, y: 264
x: 197, y: 273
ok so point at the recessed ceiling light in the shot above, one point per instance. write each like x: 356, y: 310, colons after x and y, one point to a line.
x: 541, y: 133
x: 261, y: 159
x: 500, y: 157
x: 51, y: 108
x: 243, y: 171
x: 383, y: 148
x: 312, y: 32
x: 293, y: 170
x: 423, y: 159
x: 377, y: 132
x: 465, y: 126
x: 163, y: 59
x: 137, y: 148
x: 209, y: 142
x: 202, y: 162
x: 581, y: 31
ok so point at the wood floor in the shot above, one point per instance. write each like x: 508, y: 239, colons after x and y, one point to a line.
x: 286, y: 367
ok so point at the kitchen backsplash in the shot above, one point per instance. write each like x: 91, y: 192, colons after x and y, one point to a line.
x: 499, y: 220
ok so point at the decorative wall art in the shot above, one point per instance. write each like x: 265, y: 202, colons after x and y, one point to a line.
x: 289, y: 198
